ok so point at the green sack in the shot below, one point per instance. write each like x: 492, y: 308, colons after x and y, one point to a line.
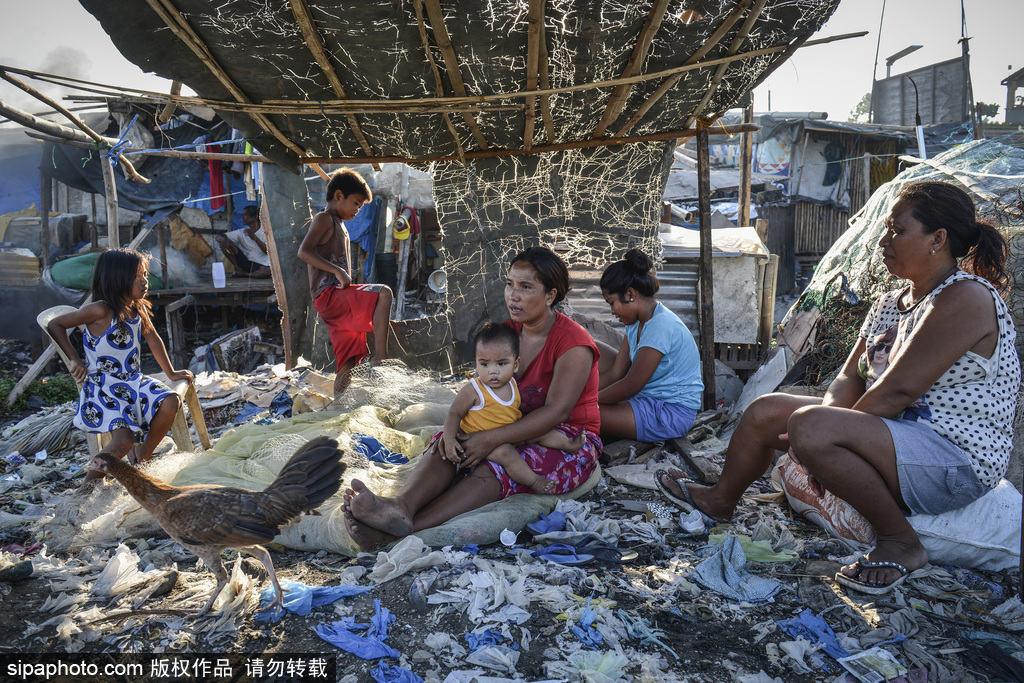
x: 76, y: 272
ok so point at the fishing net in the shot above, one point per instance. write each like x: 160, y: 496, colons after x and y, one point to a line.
x: 851, y: 275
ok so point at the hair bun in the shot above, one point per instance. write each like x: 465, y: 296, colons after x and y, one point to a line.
x: 640, y: 261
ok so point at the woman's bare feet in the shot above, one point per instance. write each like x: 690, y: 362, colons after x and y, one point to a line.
x: 911, y: 555
x: 701, y: 497
x: 366, y: 537
x: 383, y: 514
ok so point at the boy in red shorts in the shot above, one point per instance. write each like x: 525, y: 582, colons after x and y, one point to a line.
x: 349, y: 311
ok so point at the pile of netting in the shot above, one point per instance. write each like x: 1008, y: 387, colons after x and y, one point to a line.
x: 851, y: 275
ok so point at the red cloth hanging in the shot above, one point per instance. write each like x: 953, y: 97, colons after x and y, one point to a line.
x: 217, y: 199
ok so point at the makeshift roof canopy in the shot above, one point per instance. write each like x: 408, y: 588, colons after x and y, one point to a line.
x: 379, y: 80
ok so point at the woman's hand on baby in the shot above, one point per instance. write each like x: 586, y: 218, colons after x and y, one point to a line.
x: 175, y: 375
x: 475, y: 448
x: 78, y: 370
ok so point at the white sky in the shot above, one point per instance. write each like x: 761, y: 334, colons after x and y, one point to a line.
x: 59, y: 36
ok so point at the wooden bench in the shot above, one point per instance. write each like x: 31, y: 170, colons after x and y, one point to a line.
x: 186, y: 391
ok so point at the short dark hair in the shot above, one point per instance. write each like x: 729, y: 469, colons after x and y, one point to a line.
x: 251, y: 210
x: 983, y: 249
x: 636, y: 270
x: 349, y: 182
x: 550, y: 268
x: 496, y: 332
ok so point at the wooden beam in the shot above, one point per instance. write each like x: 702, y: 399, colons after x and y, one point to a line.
x: 535, y: 19
x: 129, y: 170
x: 315, y: 43
x: 705, y: 276
x: 589, y: 143
x: 800, y: 41
x: 290, y: 107
x: 636, y: 61
x: 174, y: 153
x: 545, y: 84
x: 451, y: 64
x: 438, y: 83
x: 715, y: 38
x: 734, y: 47
x: 176, y: 21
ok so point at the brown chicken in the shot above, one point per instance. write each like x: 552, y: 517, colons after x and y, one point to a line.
x: 209, y: 519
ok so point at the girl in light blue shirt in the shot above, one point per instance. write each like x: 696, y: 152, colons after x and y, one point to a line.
x: 651, y: 390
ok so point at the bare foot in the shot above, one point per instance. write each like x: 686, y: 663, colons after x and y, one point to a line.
x: 543, y: 485
x: 384, y: 514
x: 911, y: 555
x: 366, y: 537
x: 576, y: 444
x: 702, y: 496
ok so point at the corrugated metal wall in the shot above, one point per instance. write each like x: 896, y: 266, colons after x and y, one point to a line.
x: 678, y: 279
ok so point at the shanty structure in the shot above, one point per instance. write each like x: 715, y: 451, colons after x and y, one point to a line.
x: 545, y: 121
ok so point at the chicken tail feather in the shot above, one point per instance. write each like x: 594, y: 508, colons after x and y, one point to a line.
x: 311, y: 476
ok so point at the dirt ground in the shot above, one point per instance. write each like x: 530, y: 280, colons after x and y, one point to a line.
x: 700, y: 634
x: 715, y: 639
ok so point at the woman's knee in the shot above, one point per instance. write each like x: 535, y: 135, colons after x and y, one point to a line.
x: 811, y: 430
x: 770, y: 413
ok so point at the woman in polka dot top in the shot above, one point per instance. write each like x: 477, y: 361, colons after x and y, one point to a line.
x: 920, y: 419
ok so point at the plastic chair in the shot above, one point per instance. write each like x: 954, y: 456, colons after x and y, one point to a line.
x: 187, y: 393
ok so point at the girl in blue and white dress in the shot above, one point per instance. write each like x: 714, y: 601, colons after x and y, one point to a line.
x: 115, y: 396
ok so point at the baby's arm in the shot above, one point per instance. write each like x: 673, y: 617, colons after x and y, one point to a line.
x: 59, y: 326
x: 465, y: 400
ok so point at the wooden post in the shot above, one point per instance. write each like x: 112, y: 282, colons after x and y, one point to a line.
x: 867, y: 177
x: 403, y: 268
x: 95, y: 230
x: 707, y: 294
x: 110, y: 194
x: 45, y: 197
x: 767, y: 323
x: 176, y: 331
x: 162, y: 241
x: 761, y: 228
x: 746, y: 162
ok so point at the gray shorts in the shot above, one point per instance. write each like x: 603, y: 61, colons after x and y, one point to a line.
x: 935, y: 475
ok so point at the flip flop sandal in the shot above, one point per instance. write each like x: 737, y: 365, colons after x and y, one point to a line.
x: 686, y: 503
x: 560, y: 553
x: 609, y: 554
x: 872, y: 588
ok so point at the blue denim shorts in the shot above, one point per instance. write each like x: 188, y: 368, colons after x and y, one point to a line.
x: 935, y: 475
x: 658, y: 420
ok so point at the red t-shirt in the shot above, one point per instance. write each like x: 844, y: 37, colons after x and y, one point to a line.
x: 535, y: 380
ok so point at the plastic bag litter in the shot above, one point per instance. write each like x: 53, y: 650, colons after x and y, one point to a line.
x: 497, y: 657
x: 370, y: 646
x: 121, y: 573
x: 300, y: 598
x: 795, y: 652
x: 756, y: 551
x: 809, y: 625
x: 392, y: 673
x: 408, y: 555
x: 599, y: 667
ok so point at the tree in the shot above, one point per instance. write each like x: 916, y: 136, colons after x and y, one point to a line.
x: 987, y: 111
x: 862, y: 112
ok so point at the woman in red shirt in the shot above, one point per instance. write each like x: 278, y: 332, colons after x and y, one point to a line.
x: 554, y: 352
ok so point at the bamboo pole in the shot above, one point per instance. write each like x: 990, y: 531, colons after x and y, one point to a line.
x: 45, y: 196
x: 617, y: 99
x: 543, y: 149
x: 451, y: 64
x: 129, y: 170
x: 174, y: 153
x: 438, y: 83
x: 110, y: 199
x: 535, y: 19
x: 315, y: 43
x: 705, y: 272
